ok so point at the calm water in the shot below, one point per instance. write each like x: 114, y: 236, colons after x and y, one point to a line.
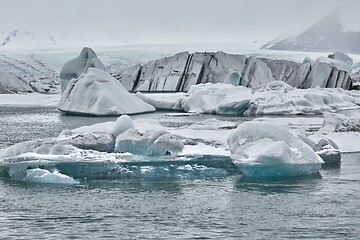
x: 184, y: 208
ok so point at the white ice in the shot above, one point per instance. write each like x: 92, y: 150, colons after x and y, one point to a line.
x: 163, y: 101
x: 79, y: 65
x: 262, y: 149
x: 275, y: 98
x: 98, y: 93
x: 44, y: 176
x: 342, y: 130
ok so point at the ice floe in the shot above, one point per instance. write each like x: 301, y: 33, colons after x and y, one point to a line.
x: 275, y: 98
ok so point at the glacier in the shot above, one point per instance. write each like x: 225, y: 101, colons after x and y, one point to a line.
x: 177, y: 73
x: 10, y: 83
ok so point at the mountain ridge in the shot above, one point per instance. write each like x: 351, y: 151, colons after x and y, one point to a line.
x: 329, y: 34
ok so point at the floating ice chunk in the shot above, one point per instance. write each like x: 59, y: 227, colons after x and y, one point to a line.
x: 273, y: 98
x: 153, y: 142
x: 212, y: 124
x: 106, y: 127
x: 98, y: 141
x: 122, y: 124
x: 163, y: 101
x: 262, y: 149
x: 167, y: 143
x: 340, y: 129
x: 63, y: 145
x: 44, y: 176
x: 48, y: 146
x: 98, y: 93
x: 217, y: 99
x: 339, y: 123
x: 342, y: 57
x: 327, y: 149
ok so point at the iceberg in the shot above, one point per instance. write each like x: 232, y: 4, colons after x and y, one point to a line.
x: 98, y: 93
x: 142, y: 138
x: 334, y: 122
x: 277, y: 98
x: 153, y: 142
x: 266, y: 150
x: 303, y: 128
x: 75, y: 67
x: 98, y: 141
x: 337, y: 128
x: 217, y: 99
x: 163, y: 101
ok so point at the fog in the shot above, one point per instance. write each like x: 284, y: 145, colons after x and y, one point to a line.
x: 124, y: 22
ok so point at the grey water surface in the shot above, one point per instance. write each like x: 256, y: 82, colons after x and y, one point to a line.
x: 200, y: 207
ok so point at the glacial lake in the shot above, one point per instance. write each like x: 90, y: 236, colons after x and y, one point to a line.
x: 182, y: 207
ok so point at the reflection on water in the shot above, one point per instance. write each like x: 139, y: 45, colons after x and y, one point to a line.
x: 278, y: 186
x: 19, y: 123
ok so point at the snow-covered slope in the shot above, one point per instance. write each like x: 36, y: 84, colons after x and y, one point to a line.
x: 26, y: 40
x: 9, y: 83
x: 338, y: 31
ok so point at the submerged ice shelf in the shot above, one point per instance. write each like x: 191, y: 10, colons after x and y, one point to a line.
x: 71, y: 170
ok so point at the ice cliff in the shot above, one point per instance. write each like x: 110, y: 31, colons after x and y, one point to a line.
x: 183, y: 70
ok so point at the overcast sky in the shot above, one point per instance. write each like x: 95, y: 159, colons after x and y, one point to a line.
x: 164, y: 21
